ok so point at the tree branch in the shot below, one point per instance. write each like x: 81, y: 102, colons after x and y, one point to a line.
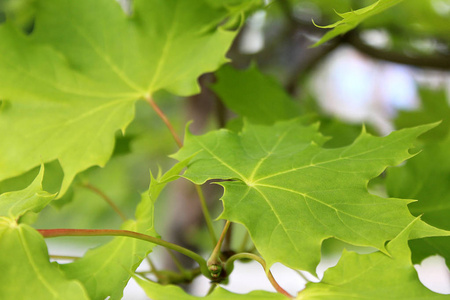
x: 441, y: 62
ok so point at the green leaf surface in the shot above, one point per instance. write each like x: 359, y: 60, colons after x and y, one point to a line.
x: 26, y: 272
x: 105, y: 270
x: 163, y: 292
x: 353, y: 18
x: 289, y: 191
x: 434, y: 107
x: 33, y: 198
x: 426, y: 177
x: 74, y: 81
x: 253, y: 95
x: 372, y: 276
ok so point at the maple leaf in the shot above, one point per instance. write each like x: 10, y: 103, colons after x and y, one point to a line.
x: 434, y: 107
x: 105, y: 271
x: 71, y: 84
x: 26, y: 270
x: 426, y: 178
x: 291, y: 194
x: 32, y: 198
x: 162, y: 292
x: 373, y: 276
x: 353, y: 18
x: 240, y: 90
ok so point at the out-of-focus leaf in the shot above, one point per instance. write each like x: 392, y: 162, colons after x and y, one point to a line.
x: 254, y: 96
x: 426, y: 177
x: 434, y: 108
x: 353, y: 18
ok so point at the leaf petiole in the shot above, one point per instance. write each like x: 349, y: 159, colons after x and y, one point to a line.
x: 206, y: 214
x: 178, y: 141
x: 215, y: 264
x: 106, y: 198
x: 49, y: 233
x: 166, y: 121
x: 229, y: 265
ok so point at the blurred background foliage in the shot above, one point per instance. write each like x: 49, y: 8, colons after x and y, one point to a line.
x: 396, y: 61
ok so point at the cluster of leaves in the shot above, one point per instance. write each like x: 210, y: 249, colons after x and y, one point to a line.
x: 75, y: 80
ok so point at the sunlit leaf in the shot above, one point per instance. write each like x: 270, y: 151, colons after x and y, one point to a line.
x: 105, y: 270
x: 254, y: 96
x: 353, y: 18
x: 291, y: 194
x: 33, y: 198
x: 74, y: 81
x: 372, y: 276
x: 26, y: 272
x: 426, y: 177
x: 434, y: 107
x: 162, y: 292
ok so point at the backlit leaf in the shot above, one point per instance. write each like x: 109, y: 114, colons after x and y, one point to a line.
x: 163, y: 292
x: 352, y: 19
x: 105, y: 270
x: 291, y: 194
x: 253, y: 95
x: 26, y: 272
x: 426, y: 177
x: 434, y: 107
x: 33, y: 198
x: 74, y: 81
x: 372, y: 276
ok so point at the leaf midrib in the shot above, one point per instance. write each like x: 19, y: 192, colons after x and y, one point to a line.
x: 104, y: 57
x: 33, y: 265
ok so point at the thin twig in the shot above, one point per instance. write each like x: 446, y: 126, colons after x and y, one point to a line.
x: 206, y: 214
x: 176, y: 261
x: 49, y: 233
x: 177, y: 139
x: 166, y: 121
x: 215, y: 255
x: 435, y: 61
x: 230, y: 262
x: 244, y: 242
x: 106, y: 198
x: 227, y: 242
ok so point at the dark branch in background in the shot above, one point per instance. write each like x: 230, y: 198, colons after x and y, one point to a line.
x: 435, y: 61
x: 311, y: 57
x: 305, y: 66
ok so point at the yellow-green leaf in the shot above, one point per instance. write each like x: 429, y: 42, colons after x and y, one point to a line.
x: 26, y: 272
x: 291, y: 194
x: 71, y: 84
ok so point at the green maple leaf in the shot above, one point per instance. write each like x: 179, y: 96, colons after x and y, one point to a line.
x: 253, y: 95
x: 426, y: 178
x: 73, y: 82
x: 33, y: 198
x: 105, y: 270
x: 353, y: 18
x: 163, y: 292
x: 26, y: 272
x: 434, y: 107
x: 372, y: 276
x: 291, y: 194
